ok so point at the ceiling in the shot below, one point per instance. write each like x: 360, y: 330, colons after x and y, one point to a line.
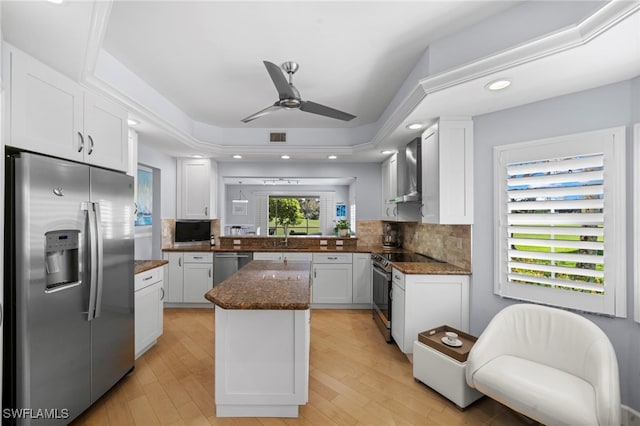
x: 203, y: 59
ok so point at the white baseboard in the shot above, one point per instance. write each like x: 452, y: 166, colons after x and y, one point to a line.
x: 630, y: 417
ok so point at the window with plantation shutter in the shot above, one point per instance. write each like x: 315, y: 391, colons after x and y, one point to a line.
x: 560, y: 232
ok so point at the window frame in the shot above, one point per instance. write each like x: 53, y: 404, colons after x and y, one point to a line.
x: 612, y: 143
x: 636, y: 220
x: 327, y: 207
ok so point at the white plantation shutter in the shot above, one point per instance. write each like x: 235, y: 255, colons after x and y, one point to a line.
x: 560, y: 230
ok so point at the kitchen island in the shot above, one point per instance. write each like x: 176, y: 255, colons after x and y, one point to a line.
x: 262, y: 339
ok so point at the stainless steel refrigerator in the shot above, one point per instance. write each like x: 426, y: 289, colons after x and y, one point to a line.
x: 69, y: 331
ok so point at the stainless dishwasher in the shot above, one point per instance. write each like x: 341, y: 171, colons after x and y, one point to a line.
x: 228, y: 263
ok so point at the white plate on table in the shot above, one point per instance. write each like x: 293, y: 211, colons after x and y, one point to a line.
x: 453, y: 343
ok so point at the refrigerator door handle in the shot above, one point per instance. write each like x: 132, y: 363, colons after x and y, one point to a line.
x: 100, y: 256
x: 92, y: 256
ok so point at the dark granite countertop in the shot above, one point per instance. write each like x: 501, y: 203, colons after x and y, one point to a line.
x: 265, y: 284
x: 145, y: 265
x: 417, y: 268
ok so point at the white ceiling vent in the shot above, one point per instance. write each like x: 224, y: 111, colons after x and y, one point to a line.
x: 277, y: 137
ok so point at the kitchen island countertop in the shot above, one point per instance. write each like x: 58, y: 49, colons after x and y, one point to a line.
x: 265, y: 284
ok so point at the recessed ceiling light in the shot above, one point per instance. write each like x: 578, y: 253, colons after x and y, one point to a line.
x: 415, y: 126
x: 332, y: 157
x: 196, y: 155
x: 498, y: 84
x: 387, y: 151
x: 55, y: 1
x: 285, y: 157
x: 237, y: 156
x: 132, y: 122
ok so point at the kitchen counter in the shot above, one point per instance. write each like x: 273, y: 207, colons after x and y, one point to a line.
x: 144, y: 265
x: 265, y: 284
x: 417, y: 268
x: 262, y: 338
x: 429, y: 268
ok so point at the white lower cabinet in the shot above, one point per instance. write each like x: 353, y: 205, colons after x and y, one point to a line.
x: 272, y: 255
x: 362, y: 278
x: 422, y: 302
x: 190, y: 276
x: 149, y: 301
x: 332, y: 278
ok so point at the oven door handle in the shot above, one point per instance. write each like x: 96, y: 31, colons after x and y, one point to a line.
x: 382, y: 272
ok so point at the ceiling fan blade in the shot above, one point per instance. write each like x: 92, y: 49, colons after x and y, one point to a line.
x: 315, y: 108
x: 267, y: 110
x: 285, y: 90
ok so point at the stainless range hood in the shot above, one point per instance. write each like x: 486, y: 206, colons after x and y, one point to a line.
x: 409, y: 178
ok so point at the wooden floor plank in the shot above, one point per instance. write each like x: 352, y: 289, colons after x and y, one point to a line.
x: 356, y: 378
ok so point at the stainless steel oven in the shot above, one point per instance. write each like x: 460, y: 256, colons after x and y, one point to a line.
x: 382, y: 264
x: 382, y: 296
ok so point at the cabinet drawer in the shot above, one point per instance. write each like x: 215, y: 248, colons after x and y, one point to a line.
x: 332, y: 258
x: 198, y: 257
x: 146, y: 278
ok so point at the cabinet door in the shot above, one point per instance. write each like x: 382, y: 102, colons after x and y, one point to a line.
x: 332, y: 283
x: 430, y: 178
x: 46, y: 110
x: 389, y: 187
x: 362, y: 278
x: 296, y: 256
x: 174, y: 279
x: 105, y: 132
x: 198, y: 279
x: 398, y: 316
x: 194, y: 189
x: 148, y: 316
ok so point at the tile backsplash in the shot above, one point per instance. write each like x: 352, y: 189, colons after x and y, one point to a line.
x: 449, y: 243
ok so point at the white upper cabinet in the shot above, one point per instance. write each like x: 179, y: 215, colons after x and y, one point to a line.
x: 389, y: 187
x: 105, y: 129
x: 50, y: 114
x: 447, y: 173
x: 194, y: 189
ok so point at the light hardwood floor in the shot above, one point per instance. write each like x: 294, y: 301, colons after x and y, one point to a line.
x: 355, y: 379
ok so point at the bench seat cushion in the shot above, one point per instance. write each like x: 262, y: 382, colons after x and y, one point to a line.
x: 543, y: 393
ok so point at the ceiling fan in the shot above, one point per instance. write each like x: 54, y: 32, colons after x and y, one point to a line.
x: 289, y: 97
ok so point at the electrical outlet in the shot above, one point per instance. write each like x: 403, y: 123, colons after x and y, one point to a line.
x: 339, y: 242
x: 237, y: 242
x: 458, y: 243
x: 323, y: 242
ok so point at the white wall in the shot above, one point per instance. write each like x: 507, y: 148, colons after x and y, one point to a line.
x: 599, y: 108
x: 149, y: 156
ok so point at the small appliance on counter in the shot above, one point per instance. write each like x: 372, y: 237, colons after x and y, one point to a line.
x: 390, y: 237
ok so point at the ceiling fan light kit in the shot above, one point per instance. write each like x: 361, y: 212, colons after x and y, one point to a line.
x: 289, y: 97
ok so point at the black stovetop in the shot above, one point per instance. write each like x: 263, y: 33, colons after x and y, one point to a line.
x: 384, y: 259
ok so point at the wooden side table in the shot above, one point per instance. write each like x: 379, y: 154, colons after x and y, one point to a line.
x: 442, y: 367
